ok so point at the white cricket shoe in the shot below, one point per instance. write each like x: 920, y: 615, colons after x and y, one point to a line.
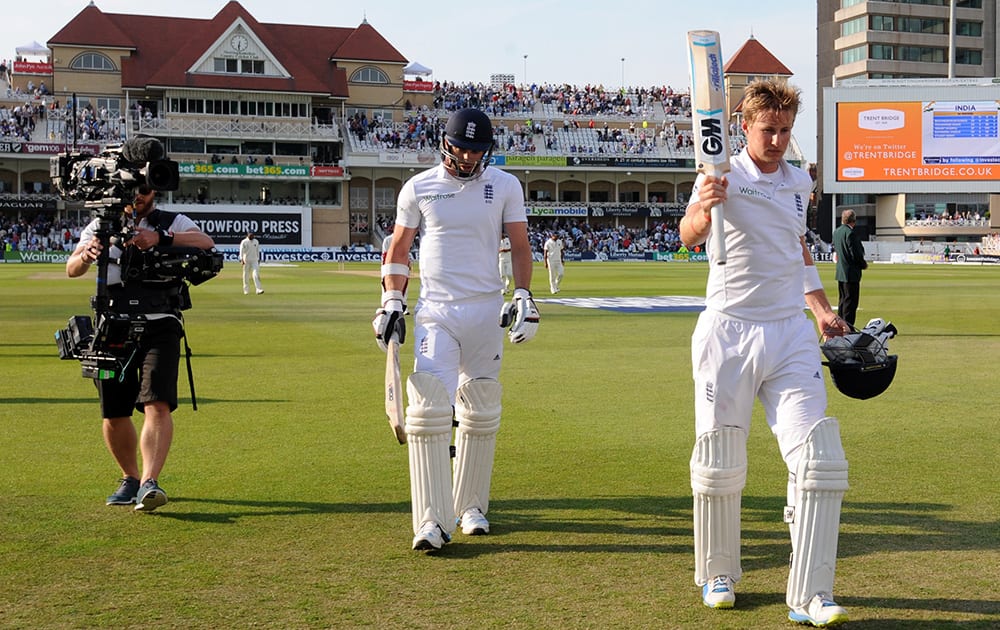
x: 430, y: 537
x: 474, y: 523
x: 718, y: 592
x: 821, y: 612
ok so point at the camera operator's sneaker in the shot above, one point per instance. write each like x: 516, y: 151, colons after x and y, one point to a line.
x: 474, y: 523
x: 718, y: 592
x: 150, y: 497
x: 430, y: 537
x: 125, y: 494
x: 821, y: 612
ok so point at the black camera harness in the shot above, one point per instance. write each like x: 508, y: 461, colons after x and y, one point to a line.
x: 172, y: 295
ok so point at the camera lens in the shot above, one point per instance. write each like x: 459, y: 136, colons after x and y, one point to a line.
x: 163, y: 175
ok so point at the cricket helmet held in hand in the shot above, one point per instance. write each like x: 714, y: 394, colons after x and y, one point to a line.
x: 468, y: 129
x: 860, y: 364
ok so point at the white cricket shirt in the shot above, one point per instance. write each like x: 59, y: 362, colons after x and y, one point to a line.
x: 460, y: 223
x: 765, y: 216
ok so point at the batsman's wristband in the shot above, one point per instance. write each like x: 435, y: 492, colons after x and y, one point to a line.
x: 166, y: 239
x: 391, y: 295
x: 811, y: 282
x: 395, y: 269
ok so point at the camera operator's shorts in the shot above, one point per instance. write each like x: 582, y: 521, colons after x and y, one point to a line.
x: 150, y: 376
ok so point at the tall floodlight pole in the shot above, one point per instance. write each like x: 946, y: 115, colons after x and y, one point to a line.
x: 951, y: 39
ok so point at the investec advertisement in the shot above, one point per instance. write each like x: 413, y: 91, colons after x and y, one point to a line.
x: 285, y: 226
x: 918, y: 141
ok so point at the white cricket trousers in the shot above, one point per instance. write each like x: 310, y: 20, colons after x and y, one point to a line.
x: 251, y: 270
x: 778, y: 362
x: 458, y: 341
x: 555, y: 276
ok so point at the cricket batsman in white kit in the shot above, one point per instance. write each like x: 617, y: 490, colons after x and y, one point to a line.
x: 460, y: 208
x: 754, y: 341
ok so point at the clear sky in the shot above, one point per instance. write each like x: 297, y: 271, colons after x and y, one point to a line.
x: 578, y: 42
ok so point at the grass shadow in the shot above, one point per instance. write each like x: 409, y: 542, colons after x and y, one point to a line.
x: 272, y: 508
x: 917, y: 526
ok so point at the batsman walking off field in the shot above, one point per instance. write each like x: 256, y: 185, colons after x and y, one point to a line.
x: 754, y: 341
x: 460, y: 208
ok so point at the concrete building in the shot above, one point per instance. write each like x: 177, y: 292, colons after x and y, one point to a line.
x: 889, y: 46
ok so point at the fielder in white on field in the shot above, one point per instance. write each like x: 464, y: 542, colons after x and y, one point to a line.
x: 754, y: 341
x: 250, y: 259
x: 506, y: 265
x: 459, y: 208
x: 553, y: 252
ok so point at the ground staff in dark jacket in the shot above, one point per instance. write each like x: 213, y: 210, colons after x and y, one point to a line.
x: 850, y: 263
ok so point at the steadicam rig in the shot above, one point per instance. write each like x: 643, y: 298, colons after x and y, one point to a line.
x: 157, y: 278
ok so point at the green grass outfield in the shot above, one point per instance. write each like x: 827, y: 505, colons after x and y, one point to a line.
x: 289, y: 499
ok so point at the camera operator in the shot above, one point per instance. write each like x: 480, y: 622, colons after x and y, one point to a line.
x: 149, y: 381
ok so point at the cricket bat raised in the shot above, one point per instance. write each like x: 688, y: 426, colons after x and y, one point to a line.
x: 710, y: 122
x: 394, y: 391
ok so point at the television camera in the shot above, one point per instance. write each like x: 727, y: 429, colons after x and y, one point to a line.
x: 105, y: 183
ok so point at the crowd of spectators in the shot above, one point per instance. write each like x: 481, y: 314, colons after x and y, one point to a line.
x: 582, y: 115
x: 497, y: 101
x: 46, y: 233
x: 38, y: 109
x: 31, y: 92
x: 90, y: 124
x: 591, y: 100
x: 18, y: 123
x: 968, y: 218
x: 568, y: 100
x: 580, y: 236
x: 40, y: 233
x: 420, y: 131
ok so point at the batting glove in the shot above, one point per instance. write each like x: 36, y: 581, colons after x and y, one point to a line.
x: 521, y: 315
x: 389, y: 322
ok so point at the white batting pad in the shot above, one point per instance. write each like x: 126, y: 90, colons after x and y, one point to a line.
x: 820, y: 483
x: 428, y: 431
x: 718, y: 474
x: 477, y: 409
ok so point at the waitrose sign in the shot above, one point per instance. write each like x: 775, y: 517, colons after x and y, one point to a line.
x: 35, y: 257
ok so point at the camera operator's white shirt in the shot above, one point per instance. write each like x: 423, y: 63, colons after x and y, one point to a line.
x: 180, y: 223
x: 459, y: 222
